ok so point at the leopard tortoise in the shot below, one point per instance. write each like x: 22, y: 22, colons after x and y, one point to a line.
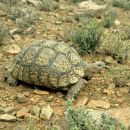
x: 52, y: 64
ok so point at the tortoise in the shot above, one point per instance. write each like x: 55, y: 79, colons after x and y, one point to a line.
x: 52, y: 64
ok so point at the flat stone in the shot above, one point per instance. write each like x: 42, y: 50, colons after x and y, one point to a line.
x: 122, y: 115
x: 46, y: 113
x: 110, y: 60
x: 40, y: 92
x: 35, y: 110
x: 98, y: 104
x: 50, y: 99
x: 28, y: 117
x: 20, y: 98
x: 81, y: 102
x: 7, y: 117
x: 17, y: 37
x: 9, y: 109
x: 13, y: 49
x: 22, y: 112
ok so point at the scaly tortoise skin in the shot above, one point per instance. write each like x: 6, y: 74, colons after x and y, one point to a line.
x: 52, y: 64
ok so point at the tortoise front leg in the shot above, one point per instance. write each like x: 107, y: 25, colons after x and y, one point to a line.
x: 75, y: 89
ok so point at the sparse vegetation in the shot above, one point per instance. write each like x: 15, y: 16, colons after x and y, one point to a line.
x: 3, y: 33
x: 114, y: 45
x: 75, y: 1
x: 87, y: 37
x: 28, y: 18
x: 48, y: 5
x: 85, y: 16
x: 125, y: 4
x: 16, y: 13
x: 108, y: 20
x: 120, y: 76
x: 80, y: 119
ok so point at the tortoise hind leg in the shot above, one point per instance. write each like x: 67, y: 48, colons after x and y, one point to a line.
x: 75, y: 89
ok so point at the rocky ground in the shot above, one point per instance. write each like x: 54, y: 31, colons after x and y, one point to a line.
x: 20, y: 105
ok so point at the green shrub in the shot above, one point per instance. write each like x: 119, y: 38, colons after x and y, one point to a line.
x: 120, y: 76
x: 109, y: 19
x: 86, y: 15
x: 114, y: 45
x: 16, y: 13
x: 4, y: 32
x: 99, y: 2
x: 27, y: 19
x: 121, y: 4
x: 80, y: 119
x: 75, y: 1
x: 87, y: 37
x: 48, y: 5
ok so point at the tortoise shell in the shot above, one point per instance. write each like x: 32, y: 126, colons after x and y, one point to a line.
x: 49, y: 63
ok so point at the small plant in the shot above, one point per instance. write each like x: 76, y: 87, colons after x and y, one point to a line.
x: 125, y: 4
x: 80, y: 119
x: 16, y: 13
x: 120, y: 76
x: 87, y: 37
x: 48, y: 5
x: 114, y: 45
x: 85, y: 16
x: 109, y: 19
x: 99, y: 2
x: 3, y: 33
x: 76, y: 1
x: 27, y: 19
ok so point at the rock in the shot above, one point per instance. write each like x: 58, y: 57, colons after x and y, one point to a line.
x: 124, y: 90
x: 59, y: 94
x: 108, y: 91
x: 1, y: 110
x: 35, y: 110
x: 92, y: 7
x: 17, y: 37
x: 13, y: 49
x: 110, y: 60
x: 9, y: 109
x: 46, y: 113
x: 81, y: 101
x: 22, y: 112
x: 20, y: 98
x: 7, y: 117
x: 28, y: 117
x: 14, y: 31
x: 40, y: 92
x: 117, y: 22
x: 98, y: 104
x: 122, y: 115
x: 50, y: 99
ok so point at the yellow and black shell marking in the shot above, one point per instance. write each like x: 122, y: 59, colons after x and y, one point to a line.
x: 49, y: 63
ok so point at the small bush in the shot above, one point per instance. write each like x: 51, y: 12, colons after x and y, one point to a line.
x: 16, y: 13
x: 4, y: 32
x: 114, y: 45
x: 120, y: 76
x: 85, y: 16
x: 99, y: 2
x: 48, y: 5
x: 87, y: 37
x: 109, y: 19
x: 28, y: 18
x: 121, y: 4
x: 76, y: 1
x: 80, y: 119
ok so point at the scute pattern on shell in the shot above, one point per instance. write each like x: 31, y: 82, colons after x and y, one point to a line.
x: 48, y: 63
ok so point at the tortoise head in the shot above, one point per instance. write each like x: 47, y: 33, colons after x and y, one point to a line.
x: 93, y: 68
